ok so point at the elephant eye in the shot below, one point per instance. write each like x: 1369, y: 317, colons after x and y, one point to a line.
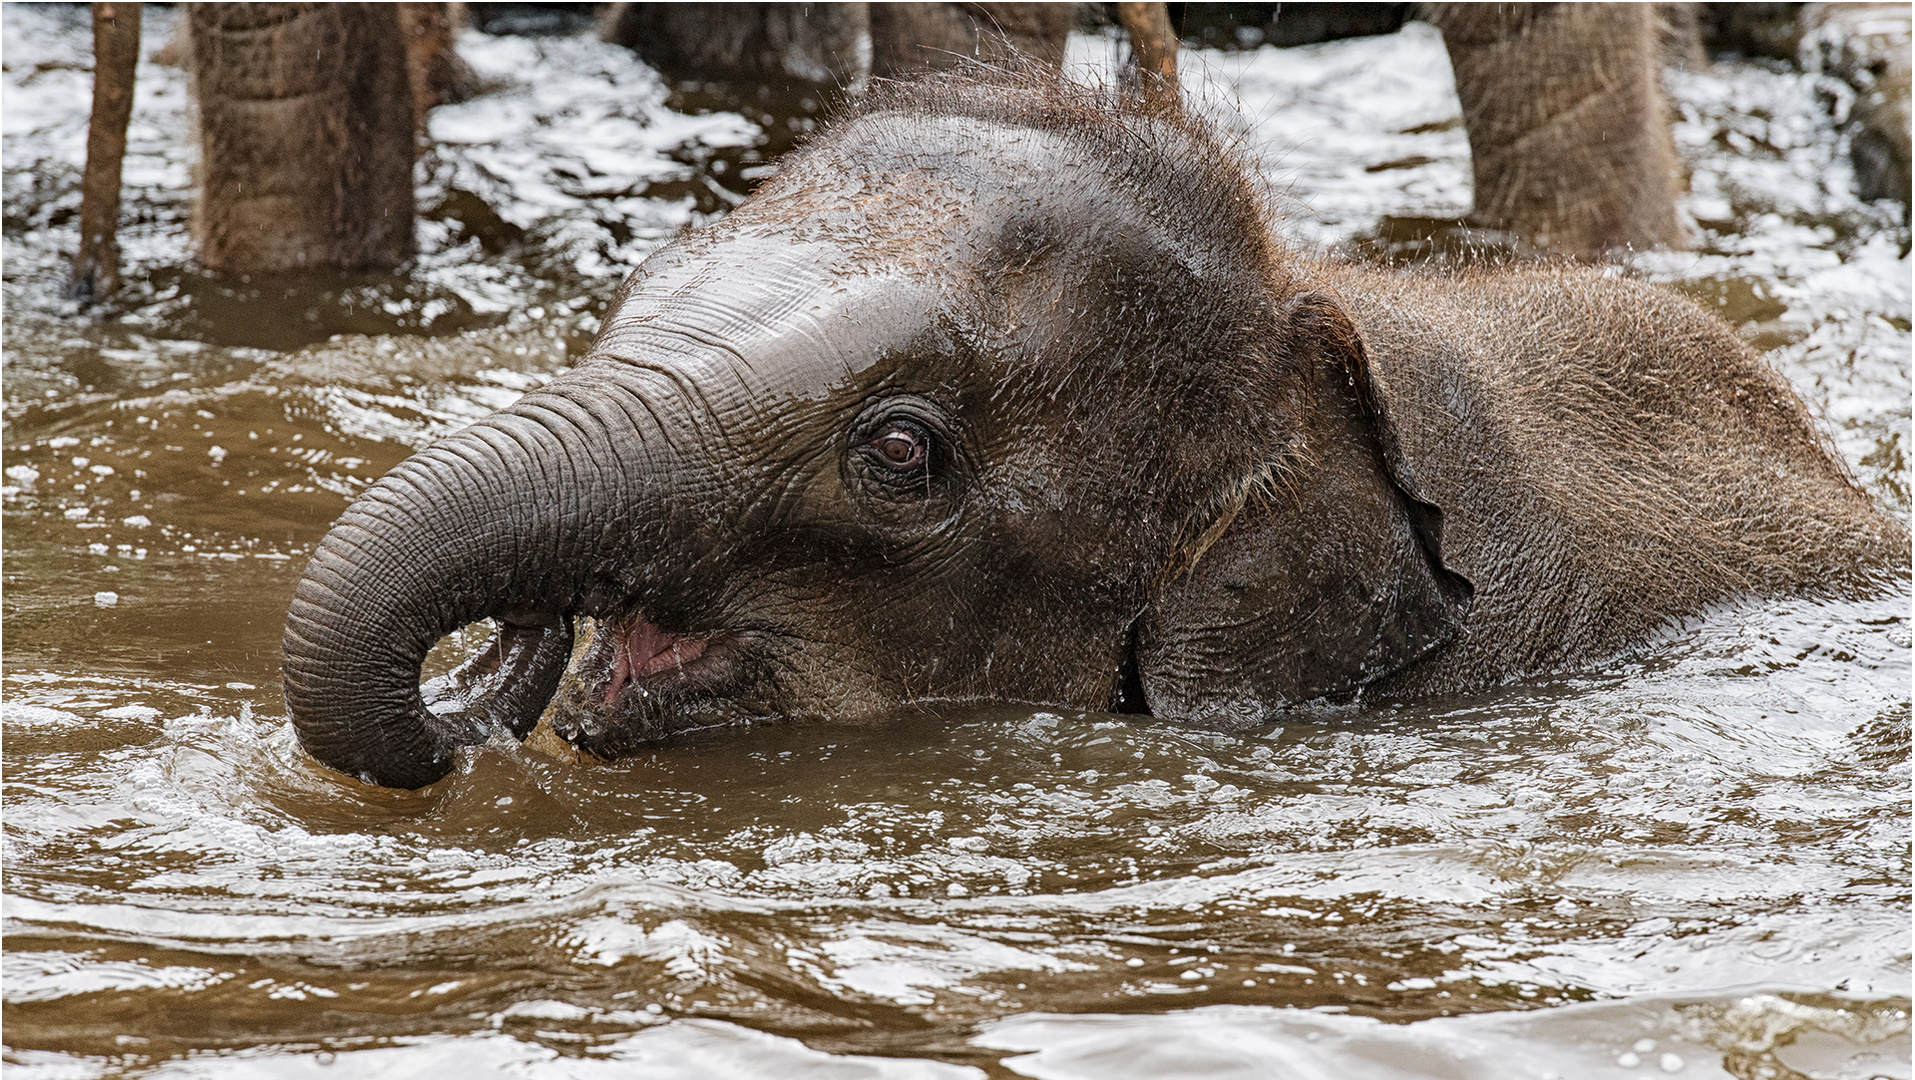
x: 899, y: 446
x: 903, y: 462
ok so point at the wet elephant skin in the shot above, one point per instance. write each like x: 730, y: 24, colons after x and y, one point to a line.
x: 1004, y: 392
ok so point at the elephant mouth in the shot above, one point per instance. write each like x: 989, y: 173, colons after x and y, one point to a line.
x: 645, y: 656
x: 639, y: 682
x: 632, y: 657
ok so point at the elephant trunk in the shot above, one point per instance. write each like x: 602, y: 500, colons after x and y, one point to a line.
x: 485, y: 524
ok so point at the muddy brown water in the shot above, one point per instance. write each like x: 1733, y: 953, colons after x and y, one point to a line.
x: 1694, y: 862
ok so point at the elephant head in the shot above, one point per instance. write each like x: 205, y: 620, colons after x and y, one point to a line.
x: 993, y: 393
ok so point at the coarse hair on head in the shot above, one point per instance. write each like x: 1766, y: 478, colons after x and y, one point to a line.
x: 1181, y: 169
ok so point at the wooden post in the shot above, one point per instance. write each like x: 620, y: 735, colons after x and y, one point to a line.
x: 116, y: 53
x: 1154, y: 45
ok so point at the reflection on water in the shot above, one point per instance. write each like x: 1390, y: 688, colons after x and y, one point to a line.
x: 1696, y: 863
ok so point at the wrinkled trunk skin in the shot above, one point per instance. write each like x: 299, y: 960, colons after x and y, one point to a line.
x: 487, y: 523
x: 920, y: 37
x: 1569, y: 134
x: 306, y: 137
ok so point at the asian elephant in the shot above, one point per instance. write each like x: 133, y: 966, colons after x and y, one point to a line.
x: 1004, y: 390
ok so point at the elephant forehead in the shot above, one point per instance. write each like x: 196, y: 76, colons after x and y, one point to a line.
x: 917, y: 193
x: 971, y: 159
x: 784, y: 320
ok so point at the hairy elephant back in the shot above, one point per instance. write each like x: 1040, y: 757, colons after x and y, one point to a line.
x: 1608, y: 456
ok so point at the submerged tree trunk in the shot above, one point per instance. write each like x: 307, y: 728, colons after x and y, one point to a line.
x: 306, y: 121
x: 1568, y: 131
x: 116, y: 53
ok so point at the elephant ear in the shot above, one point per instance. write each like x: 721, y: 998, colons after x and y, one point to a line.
x: 1329, y: 575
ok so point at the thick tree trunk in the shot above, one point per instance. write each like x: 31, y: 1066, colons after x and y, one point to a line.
x: 116, y: 53
x: 775, y: 44
x: 437, y: 74
x: 1569, y: 135
x: 917, y: 37
x: 1679, y: 33
x: 306, y: 123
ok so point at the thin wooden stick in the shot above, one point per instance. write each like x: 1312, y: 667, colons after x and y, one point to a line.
x: 116, y: 53
x: 1154, y: 45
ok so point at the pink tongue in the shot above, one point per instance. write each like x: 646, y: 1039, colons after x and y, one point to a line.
x: 645, y: 650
